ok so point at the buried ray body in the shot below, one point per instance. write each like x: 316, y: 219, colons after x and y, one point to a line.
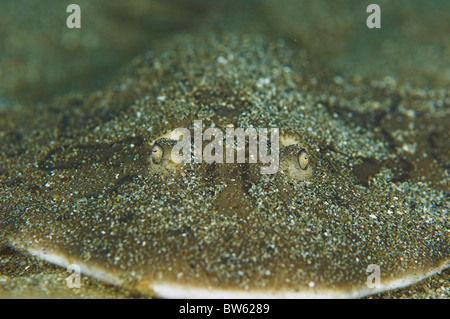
x: 103, y: 192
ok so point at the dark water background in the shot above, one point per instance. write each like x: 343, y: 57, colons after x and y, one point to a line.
x: 41, y: 58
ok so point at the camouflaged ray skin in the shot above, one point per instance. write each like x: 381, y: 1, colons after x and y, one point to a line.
x: 78, y: 181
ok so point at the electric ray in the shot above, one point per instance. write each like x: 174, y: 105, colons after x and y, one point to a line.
x: 91, y: 180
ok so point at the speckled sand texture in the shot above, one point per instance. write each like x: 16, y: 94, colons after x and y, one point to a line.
x: 77, y: 185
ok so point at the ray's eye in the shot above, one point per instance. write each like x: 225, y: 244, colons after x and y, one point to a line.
x: 303, y: 159
x: 157, y: 154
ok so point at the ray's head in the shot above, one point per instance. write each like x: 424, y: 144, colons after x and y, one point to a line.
x: 290, y: 159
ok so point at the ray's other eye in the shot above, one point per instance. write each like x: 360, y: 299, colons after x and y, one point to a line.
x: 303, y: 159
x: 157, y: 154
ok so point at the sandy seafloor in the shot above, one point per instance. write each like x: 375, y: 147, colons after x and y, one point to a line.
x: 40, y: 59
